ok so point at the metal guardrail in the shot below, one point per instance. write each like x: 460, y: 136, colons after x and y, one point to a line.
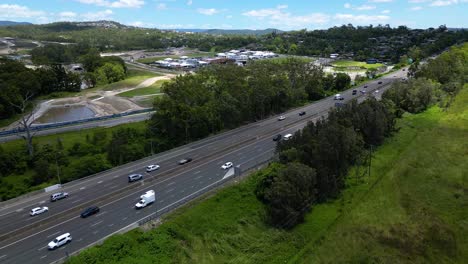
x: 61, y: 124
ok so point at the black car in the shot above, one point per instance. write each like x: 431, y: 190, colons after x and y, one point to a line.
x: 90, y: 211
x: 183, y: 161
x: 365, y: 86
x: 277, y: 137
x: 354, y: 92
x: 302, y: 113
x: 379, y: 82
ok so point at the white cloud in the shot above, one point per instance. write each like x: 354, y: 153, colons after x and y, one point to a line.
x: 361, y: 19
x: 279, y: 17
x: 100, y: 15
x: 444, y: 3
x: 416, y: 8
x: 359, y: 8
x: 207, y: 11
x: 115, y: 4
x: 161, y: 6
x: 17, y: 11
x: 189, y: 2
x: 67, y: 15
x: 386, y: 11
x: 228, y: 16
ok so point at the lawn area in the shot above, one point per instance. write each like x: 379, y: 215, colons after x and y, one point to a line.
x: 190, y: 55
x: 152, y: 89
x: 412, y: 209
x: 134, y: 78
x: 348, y: 63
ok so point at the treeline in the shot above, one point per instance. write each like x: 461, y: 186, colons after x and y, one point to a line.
x: 60, y: 159
x: 313, y: 165
x: 19, y: 85
x: 217, y: 98
x: 382, y: 42
x: 99, y: 70
x: 360, y: 40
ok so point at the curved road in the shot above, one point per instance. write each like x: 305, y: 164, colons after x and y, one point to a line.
x: 23, y: 239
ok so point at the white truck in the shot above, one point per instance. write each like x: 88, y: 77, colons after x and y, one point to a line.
x: 146, y: 199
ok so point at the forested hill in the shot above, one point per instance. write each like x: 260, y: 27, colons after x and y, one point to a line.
x: 12, y: 23
x: 360, y: 43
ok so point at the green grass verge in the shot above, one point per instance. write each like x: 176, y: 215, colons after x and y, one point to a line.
x: 134, y: 78
x: 348, y: 63
x: 411, y: 210
x: 152, y: 89
x: 190, y: 55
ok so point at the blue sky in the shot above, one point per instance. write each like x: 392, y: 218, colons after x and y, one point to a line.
x: 240, y: 14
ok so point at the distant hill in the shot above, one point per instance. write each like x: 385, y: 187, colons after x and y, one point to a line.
x: 13, y: 23
x: 232, y: 31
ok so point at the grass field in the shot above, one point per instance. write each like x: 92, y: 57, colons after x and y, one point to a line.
x: 412, y: 209
x: 134, y: 78
x: 360, y: 64
x: 190, y: 55
x: 152, y: 89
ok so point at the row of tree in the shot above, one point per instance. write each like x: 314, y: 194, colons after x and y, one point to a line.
x: 224, y: 97
x: 20, y: 85
x: 314, y: 163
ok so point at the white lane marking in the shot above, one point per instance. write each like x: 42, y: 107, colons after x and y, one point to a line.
x: 113, y: 186
x: 171, y: 183
x: 62, y: 248
x: 198, y: 177
x: 170, y: 190
x: 54, y: 234
x: 97, y: 223
x: 192, y: 186
x: 195, y: 173
x: 182, y: 191
x: 76, y: 201
x: 99, y: 182
x: 110, y: 225
x: 2, y: 256
x: 95, y: 232
x: 42, y: 202
x: 81, y: 239
x: 20, y: 210
x: 43, y: 256
x: 82, y: 188
x: 125, y: 218
x: 116, y: 176
x: 161, y: 201
x: 39, y: 249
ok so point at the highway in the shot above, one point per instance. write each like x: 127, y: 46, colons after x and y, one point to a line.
x: 23, y: 239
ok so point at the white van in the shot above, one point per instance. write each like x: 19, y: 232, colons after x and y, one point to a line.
x: 287, y: 136
x: 338, y: 97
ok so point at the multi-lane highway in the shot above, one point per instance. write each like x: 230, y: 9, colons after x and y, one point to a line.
x: 23, y: 239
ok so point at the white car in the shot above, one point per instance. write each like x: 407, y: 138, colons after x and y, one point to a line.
x: 38, y: 210
x: 281, y: 118
x: 227, y: 165
x: 152, y: 168
x: 60, y: 241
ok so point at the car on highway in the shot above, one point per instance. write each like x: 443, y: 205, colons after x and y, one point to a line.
x: 227, y: 165
x: 365, y: 86
x: 57, y: 196
x: 183, y: 161
x: 376, y: 91
x: 281, y: 118
x: 338, y: 97
x: 277, y: 137
x: 38, y: 210
x: 152, y: 167
x: 363, y: 91
x: 302, y: 113
x: 354, y: 92
x: 403, y: 69
x: 60, y: 241
x: 135, y: 177
x: 287, y: 136
x: 380, y: 82
x: 89, y: 211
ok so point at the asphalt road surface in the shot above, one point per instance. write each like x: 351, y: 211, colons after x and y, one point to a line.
x: 24, y: 239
